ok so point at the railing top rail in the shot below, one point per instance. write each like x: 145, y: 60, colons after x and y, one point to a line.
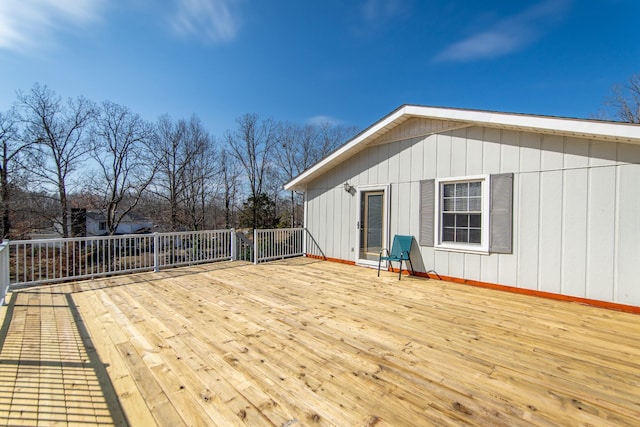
x: 269, y: 230
x: 76, y: 239
x: 189, y: 233
x: 113, y: 237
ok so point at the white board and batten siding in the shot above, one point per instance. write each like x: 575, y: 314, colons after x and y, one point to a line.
x: 576, y: 205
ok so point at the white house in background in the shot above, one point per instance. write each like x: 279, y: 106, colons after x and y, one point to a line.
x: 96, y: 224
x: 537, y: 204
x: 93, y: 222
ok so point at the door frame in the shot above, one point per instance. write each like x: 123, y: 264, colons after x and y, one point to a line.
x: 386, y: 211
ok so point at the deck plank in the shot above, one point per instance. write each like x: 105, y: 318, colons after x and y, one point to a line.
x: 307, y: 342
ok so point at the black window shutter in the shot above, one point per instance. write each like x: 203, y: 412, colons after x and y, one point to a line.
x: 427, y: 212
x: 501, y: 214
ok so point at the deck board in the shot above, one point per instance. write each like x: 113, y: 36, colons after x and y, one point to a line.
x: 308, y: 342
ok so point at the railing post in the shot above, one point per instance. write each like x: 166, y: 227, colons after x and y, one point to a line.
x: 255, y: 246
x: 304, y: 241
x: 156, y: 252
x: 4, y: 270
x: 234, y: 246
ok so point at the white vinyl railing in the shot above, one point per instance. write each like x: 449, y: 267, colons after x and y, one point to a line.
x: 187, y: 248
x: 53, y: 260
x: 27, y: 262
x: 278, y: 243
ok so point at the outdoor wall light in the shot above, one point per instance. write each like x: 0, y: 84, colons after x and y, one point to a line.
x: 348, y: 188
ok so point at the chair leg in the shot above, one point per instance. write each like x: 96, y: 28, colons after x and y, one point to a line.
x: 400, y: 271
x: 379, y: 261
x: 413, y: 273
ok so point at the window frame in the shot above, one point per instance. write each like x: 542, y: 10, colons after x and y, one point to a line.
x: 483, y: 247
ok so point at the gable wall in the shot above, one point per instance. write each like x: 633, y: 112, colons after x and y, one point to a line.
x: 576, y: 208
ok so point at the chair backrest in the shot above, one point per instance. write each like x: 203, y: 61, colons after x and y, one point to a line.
x: 400, y: 245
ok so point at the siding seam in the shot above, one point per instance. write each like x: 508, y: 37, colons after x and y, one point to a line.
x: 484, y: 138
x: 538, y: 231
x: 562, y: 184
x: 587, y: 234
x: 616, y: 225
x: 517, y: 278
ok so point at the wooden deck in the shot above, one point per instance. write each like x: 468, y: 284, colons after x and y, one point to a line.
x: 304, y: 343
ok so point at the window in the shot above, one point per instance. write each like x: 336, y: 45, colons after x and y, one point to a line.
x: 102, y: 226
x: 462, y: 213
x: 467, y: 214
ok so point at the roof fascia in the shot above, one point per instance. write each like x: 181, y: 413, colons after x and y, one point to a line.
x: 590, y: 129
x: 350, y: 146
x: 613, y: 131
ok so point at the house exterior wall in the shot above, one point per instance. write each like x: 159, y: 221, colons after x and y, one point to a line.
x: 93, y: 227
x: 576, y: 207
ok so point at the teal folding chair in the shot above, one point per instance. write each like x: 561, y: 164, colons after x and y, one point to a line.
x: 400, y: 251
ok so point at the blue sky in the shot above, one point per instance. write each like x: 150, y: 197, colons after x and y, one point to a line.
x: 350, y: 62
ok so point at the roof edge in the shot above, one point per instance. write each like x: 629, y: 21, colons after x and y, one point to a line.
x: 585, y: 128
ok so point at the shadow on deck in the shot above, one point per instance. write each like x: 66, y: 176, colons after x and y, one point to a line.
x: 50, y: 370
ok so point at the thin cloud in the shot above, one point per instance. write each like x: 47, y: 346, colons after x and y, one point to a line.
x: 374, y: 11
x: 377, y: 15
x: 32, y: 24
x: 324, y: 120
x: 210, y: 20
x: 506, y: 36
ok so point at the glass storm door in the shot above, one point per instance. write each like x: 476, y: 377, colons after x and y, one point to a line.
x: 371, y: 225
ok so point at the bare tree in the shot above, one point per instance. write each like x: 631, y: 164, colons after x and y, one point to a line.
x: 165, y: 147
x: 624, y: 102
x: 167, y: 151
x: 229, y: 181
x: 198, y: 174
x: 27, y: 209
x: 59, y: 136
x: 299, y: 147
x: 331, y: 136
x: 288, y: 158
x: 251, y: 144
x: 119, y: 142
x: 11, y: 147
x: 181, y: 152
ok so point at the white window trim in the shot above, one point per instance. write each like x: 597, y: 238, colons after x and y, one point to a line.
x: 483, y: 248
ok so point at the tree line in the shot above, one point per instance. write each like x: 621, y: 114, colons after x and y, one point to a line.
x: 59, y: 155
